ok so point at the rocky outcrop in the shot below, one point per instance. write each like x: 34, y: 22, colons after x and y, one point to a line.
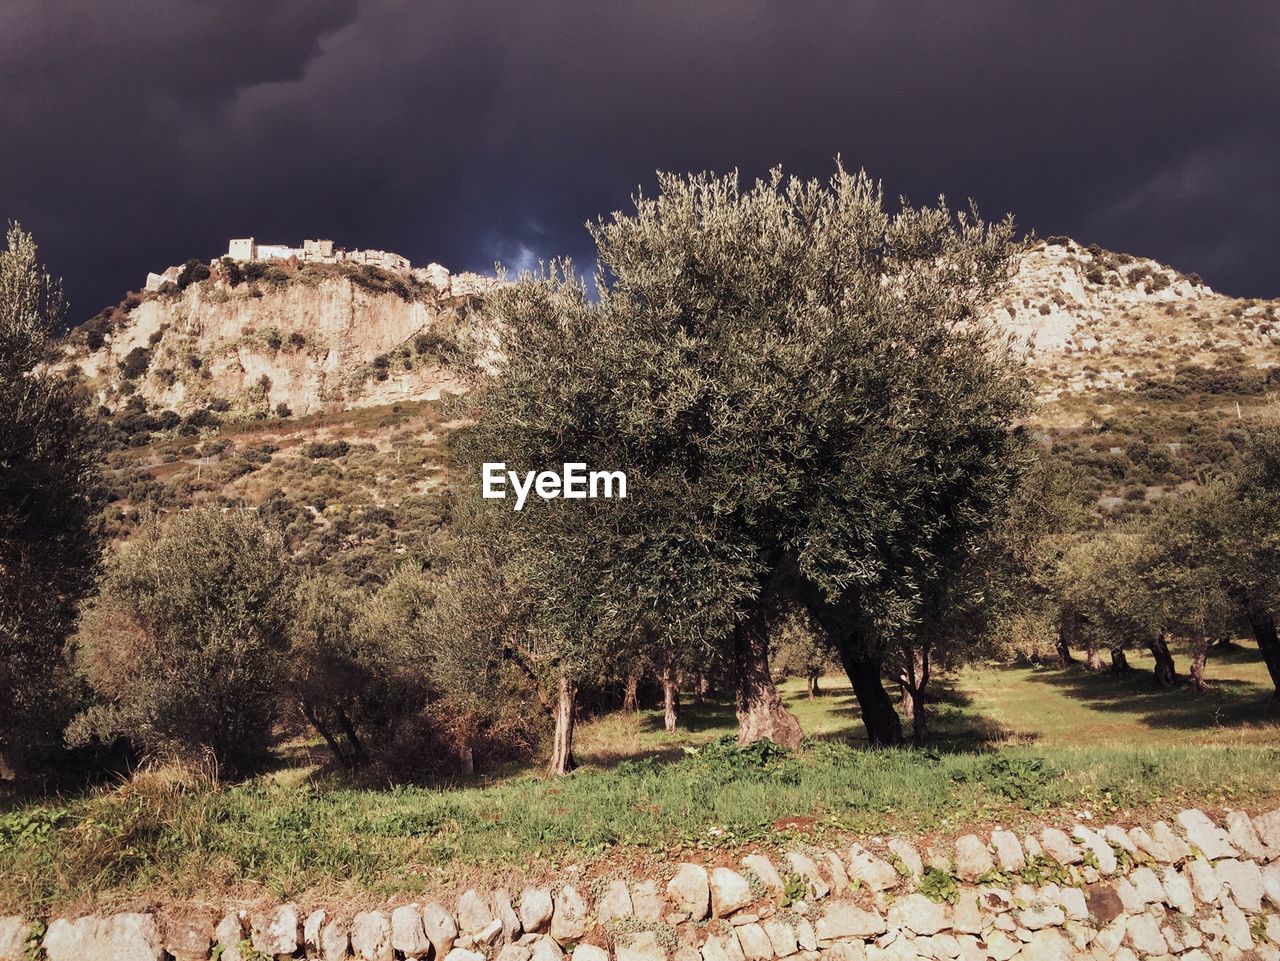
x: 1202, y: 891
x: 311, y: 343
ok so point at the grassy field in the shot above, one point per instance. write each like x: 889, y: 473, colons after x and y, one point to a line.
x: 1014, y: 745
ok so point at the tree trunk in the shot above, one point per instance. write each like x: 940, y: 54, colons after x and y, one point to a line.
x: 1093, y: 658
x: 322, y: 729
x: 812, y: 686
x: 1119, y: 662
x: 1066, y: 629
x: 1263, y: 624
x: 562, y: 741
x: 630, y: 698
x: 1199, y: 654
x: 761, y: 713
x: 701, y: 688
x: 1166, y: 673
x: 884, y: 727
x: 1223, y: 643
x: 358, y: 755
x: 670, y: 699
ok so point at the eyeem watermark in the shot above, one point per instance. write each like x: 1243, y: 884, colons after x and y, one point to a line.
x: 575, y: 482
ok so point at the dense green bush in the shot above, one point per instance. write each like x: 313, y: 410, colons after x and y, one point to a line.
x: 183, y: 646
x: 135, y: 363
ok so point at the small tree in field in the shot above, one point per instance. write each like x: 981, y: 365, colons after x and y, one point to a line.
x: 184, y: 646
x: 49, y: 499
x: 806, y: 405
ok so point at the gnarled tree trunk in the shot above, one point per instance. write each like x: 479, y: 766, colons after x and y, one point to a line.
x: 1263, y: 624
x: 1066, y: 632
x: 761, y: 713
x: 1093, y: 657
x: 812, y: 685
x: 630, y: 698
x: 562, y: 740
x: 1165, y: 672
x: 884, y: 728
x: 1199, y: 654
x: 1119, y: 662
x: 670, y: 699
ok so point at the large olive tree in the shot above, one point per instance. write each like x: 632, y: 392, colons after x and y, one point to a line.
x: 49, y: 500
x: 806, y: 403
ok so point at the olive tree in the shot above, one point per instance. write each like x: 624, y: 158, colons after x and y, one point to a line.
x: 185, y: 643
x: 807, y: 405
x: 49, y: 501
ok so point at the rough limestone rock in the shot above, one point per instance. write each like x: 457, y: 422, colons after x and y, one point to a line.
x: 917, y: 913
x: 614, y: 902
x: 1097, y: 845
x: 1008, y: 850
x: 474, y: 913
x: 121, y: 937
x: 1001, y: 947
x: 1204, y: 880
x: 1242, y: 834
x: 505, y: 913
x: 807, y: 868
x: 188, y: 938
x: 640, y: 946
x: 972, y: 857
x: 1041, y: 913
x: 838, y: 876
x: 229, y: 933
x: 690, y: 890
x: 756, y: 945
x: 335, y: 940
x: 782, y: 936
x: 312, y: 925
x: 589, y: 952
x: 1244, y: 880
x: 722, y: 948
x: 1271, y: 883
x: 1238, y: 932
x: 1103, y: 903
x: 1120, y: 838
x: 646, y: 901
x: 1147, y: 885
x: 1268, y: 828
x: 844, y: 919
x: 1073, y: 904
x: 730, y: 892
x: 1142, y: 933
x: 1047, y: 945
x: 906, y: 853
x: 275, y: 932
x: 763, y: 868
x: 545, y: 948
x: 462, y: 954
x: 569, y: 919
x: 371, y: 936
x: 1166, y: 836
x: 518, y: 952
x: 441, y: 929
x: 1060, y: 847
x: 1211, y: 840
x: 13, y: 939
x: 535, y: 910
x: 1149, y: 846
x: 408, y: 936
x: 1177, y: 891
x: 967, y: 916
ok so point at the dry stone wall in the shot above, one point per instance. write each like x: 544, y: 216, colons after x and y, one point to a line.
x: 1195, y: 889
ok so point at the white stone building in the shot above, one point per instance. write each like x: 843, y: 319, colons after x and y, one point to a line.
x: 314, y: 251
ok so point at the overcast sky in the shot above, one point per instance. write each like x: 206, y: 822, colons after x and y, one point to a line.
x: 138, y: 133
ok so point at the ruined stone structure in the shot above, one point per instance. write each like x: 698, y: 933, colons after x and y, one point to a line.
x: 1199, y: 890
x: 314, y: 251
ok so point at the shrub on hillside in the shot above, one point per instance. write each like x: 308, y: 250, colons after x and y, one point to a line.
x: 193, y: 272
x: 326, y: 449
x: 135, y: 363
x: 183, y: 646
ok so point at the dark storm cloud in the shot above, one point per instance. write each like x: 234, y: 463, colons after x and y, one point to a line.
x: 140, y: 133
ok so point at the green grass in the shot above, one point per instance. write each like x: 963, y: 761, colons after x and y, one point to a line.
x: 1014, y: 745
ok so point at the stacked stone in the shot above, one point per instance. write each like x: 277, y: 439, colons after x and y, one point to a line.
x: 1196, y: 890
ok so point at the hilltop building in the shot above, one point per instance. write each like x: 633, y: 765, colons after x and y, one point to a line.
x: 314, y: 251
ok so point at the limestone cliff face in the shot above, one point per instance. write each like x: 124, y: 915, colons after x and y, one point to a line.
x: 309, y: 344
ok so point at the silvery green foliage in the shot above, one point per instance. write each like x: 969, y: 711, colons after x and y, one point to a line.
x: 790, y: 375
x: 49, y: 497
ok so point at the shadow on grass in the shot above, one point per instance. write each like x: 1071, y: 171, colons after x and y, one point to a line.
x: 1228, y: 703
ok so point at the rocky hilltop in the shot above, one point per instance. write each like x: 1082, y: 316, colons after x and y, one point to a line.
x: 257, y: 338
x: 283, y: 339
